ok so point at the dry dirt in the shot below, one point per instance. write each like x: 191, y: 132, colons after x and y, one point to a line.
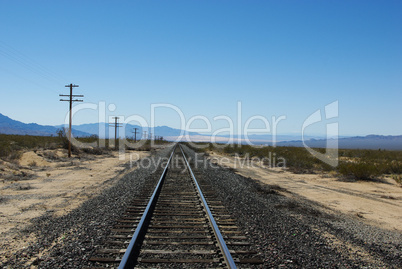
x: 376, y: 203
x: 46, y: 181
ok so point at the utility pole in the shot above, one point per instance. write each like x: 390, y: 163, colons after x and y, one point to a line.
x: 145, y: 135
x: 71, y: 100
x: 135, y: 134
x: 115, y: 124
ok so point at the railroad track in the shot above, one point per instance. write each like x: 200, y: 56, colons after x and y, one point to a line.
x: 180, y: 224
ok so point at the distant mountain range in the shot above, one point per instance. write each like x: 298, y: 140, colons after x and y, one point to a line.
x: 10, y: 126
x: 104, y: 130
x: 357, y: 142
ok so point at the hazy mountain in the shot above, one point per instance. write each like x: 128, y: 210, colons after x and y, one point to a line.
x: 358, y: 142
x: 10, y: 126
x: 261, y: 138
x: 105, y: 130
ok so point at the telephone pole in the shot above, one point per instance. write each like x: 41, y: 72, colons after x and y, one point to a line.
x: 71, y: 100
x: 115, y: 124
x: 135, y: 134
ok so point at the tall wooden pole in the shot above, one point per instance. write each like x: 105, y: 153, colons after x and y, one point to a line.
x: 69, y: 124
x: 135, y: 134
x: 70, y: 100
x: 115, y: 124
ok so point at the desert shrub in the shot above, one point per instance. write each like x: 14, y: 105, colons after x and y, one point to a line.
x: 11, y: 146
x: 15, y: 155
x: 232, y: 149
x: 52, y: 145
x: 51, y: 155
x: 297, y: 159
x: 361, y: 164
x: 94, y: 151
x: 7, y: 148
x: 392, y: 167
x: 359, y: 170
x: 89, y: 139
x: 63, y: 138
x: 10, y: 151
x: 397, y: 178
x: 64, y: 141
x: 145, y: 147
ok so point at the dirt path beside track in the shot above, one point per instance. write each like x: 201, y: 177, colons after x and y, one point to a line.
x: 377, y: 203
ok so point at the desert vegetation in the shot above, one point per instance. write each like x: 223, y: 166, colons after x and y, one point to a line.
x: 355, y: 164
x: 12, y: 146
x: 22, y: 156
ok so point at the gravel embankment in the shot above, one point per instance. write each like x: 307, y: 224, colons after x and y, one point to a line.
x: 295, y: 233
x: 70, y: 240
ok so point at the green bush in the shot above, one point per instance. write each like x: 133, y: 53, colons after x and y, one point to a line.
x: 359, y: 170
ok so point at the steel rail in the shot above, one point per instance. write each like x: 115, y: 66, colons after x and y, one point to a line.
x: 221, y: 242
x: 141, y: 225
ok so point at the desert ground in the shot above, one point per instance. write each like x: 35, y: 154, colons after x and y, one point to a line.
x: 376, y: 202
x: 45, y: 181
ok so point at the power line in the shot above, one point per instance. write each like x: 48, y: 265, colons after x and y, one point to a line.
x: 27, y: 62
x: 135, y: 134
x: 70, y: 100
x: 115, y: 124
x: 33, y: 66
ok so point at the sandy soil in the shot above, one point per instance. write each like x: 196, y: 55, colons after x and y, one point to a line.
x: 44, y: 181
x: 377, y: 203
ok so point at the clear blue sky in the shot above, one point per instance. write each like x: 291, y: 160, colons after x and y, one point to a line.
x: 276, y: 57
